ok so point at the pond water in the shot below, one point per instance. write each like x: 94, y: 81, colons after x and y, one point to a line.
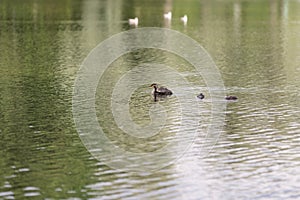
x: 254, y: 44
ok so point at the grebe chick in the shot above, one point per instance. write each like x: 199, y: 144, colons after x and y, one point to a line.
x: 201, y: 96
x: 231, y: 98
x: 160, y: 90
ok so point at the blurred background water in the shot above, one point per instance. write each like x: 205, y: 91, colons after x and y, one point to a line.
x: 256, y: 46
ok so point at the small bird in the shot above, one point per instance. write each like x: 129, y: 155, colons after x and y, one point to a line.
x: 201, y: 96
x: 168, y: 15
x: 134, y: 21
x: 160, y: 90
x: 231, y: 98
x: 184, y: 19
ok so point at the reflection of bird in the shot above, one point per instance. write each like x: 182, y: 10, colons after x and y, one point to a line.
x: 160, y: 90
x: 201, y: 96
x: 134, y: 21
x: 168, y: 16
x: 184, y: 19
x: 231, y: 98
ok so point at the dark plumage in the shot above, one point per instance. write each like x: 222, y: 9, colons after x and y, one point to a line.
x: 160, y: 90
x: 201, y: 96
x: 231, y: 98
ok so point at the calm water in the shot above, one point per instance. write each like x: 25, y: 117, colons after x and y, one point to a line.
x: 255, y: 45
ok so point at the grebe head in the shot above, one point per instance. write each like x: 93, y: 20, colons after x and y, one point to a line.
x: 154, y: 85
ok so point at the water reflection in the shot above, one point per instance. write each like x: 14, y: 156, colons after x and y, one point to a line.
x: 254, y: 43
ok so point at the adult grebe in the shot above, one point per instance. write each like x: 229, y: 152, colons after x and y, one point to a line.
x: 160, y: 90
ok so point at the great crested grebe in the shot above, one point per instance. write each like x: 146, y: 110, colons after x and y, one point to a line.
x: 160, y: 90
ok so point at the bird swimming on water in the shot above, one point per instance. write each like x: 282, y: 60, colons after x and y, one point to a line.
x: 201, y: 96
x: 160, y: 90
x: 231, y: 98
